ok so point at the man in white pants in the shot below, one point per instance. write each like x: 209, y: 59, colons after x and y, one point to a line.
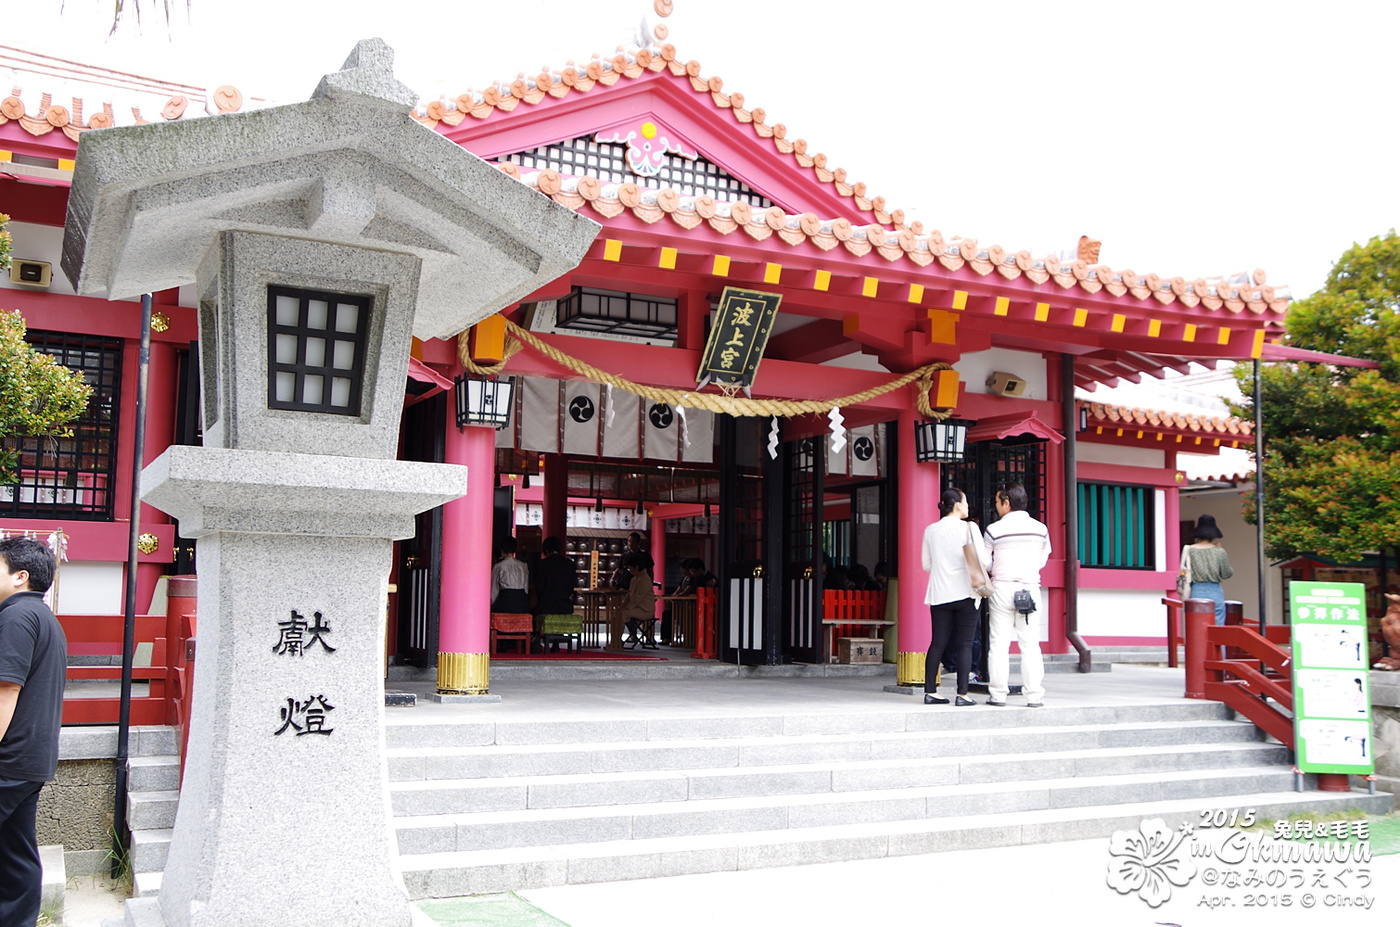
x: 1020, y: 547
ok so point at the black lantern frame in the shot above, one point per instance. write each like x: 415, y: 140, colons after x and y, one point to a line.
x: 936, y: 441
x: 483, y: 400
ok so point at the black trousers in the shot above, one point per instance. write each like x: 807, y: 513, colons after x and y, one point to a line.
x: 953, y: 622
x: 21, y: 876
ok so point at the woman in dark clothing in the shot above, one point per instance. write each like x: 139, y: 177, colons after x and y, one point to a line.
x: 952, y: 606
x: 1207, y: 565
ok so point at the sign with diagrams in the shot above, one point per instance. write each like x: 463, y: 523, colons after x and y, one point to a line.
x: 1331, y: 693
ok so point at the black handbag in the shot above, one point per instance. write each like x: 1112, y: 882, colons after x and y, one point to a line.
x: 1023, y: 601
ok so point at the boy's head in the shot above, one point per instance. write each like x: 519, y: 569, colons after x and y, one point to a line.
x: 29, y: 566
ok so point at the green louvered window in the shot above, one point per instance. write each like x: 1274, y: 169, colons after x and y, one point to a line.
x: 1116, y: 526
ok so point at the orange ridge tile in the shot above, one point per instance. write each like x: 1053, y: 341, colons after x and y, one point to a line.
x: 1205, y: 424
x: 687, y: 211
x: 634, y: 62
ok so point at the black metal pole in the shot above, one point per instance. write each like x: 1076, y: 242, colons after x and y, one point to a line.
x: 1259, y: 492
x: 129, y: 631
x: 1069, y: 424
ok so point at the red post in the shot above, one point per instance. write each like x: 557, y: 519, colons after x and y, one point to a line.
x: 706, y: 608
x: 180, y: 624
x: 1333, y: 782
x: 180, y: 600
x: 1200, y: 618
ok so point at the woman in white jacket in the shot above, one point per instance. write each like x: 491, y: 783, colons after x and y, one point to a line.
x: 951, y: 599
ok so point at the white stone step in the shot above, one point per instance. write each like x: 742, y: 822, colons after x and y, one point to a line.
x: 153, y: 773
x: 149, y: 849
x: 642, y: 820
x: 152, y: 810
x: 447, y: 796
x: 436, y: 875
x: 407, y: 765
x: 146, y: 884
x: 415, y: 734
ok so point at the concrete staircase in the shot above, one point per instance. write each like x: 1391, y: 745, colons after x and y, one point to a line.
x: 153, y: 796
x: 489, y: 807
x: 495, y: 805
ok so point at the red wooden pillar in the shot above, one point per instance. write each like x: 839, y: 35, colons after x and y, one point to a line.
x: 556, y: 496
x: 917, y: 498
x: 464, y: 615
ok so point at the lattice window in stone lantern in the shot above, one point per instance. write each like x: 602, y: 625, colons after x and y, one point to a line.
x: 316, y: 350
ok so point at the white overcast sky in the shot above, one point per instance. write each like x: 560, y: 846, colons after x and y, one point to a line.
x: 1192, y: 138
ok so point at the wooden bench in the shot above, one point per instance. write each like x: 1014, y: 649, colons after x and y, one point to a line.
x: 512, y: 626
x: 843, y: 613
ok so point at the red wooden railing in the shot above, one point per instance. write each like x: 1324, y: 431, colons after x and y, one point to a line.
x: 1174, y: 635
x: 851, y: 614
x: 167, y: 671
x: 1234, y: 663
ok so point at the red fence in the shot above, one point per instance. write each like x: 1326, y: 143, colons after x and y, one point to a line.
x: 851, y: 614
x: 164, y: 651
x: 1234, y: 663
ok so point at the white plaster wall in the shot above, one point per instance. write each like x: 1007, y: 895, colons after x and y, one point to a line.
x: 90, y: 588
x: 37, y: 243
x: 974, y: 369
x: 1088, y: 452
x: 1122, y: 613
x: 1241, y: 540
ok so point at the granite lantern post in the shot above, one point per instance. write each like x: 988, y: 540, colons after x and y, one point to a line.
x: 322, y: 237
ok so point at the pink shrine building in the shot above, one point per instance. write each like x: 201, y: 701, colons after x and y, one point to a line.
x: 695, y: 193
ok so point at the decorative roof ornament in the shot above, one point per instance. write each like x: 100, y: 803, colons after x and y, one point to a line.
x: 646, y: 147
x: 651, y: 31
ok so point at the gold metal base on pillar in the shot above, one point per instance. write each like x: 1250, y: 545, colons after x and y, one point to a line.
x: 463, y: 673
x: 909, y: 667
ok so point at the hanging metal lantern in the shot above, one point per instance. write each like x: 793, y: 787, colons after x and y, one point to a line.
x: 945, y: 440
x: 483, y: 400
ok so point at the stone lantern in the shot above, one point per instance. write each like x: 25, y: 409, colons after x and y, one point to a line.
x: 321, y: 237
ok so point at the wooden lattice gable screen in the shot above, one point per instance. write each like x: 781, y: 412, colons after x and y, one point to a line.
x: 608, y: 162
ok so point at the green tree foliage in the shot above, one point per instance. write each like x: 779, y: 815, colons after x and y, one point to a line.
x: 4, y: 242
x: 38, y: 395
x: 1332, y: 434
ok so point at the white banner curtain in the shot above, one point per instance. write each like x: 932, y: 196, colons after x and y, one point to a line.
x: 838, y: 463
x: 581, y: 418
x: 660, y: 431
x: 700, y: 428
x: 539, y: 415
x: 620, y: 438
x: 864, y: 448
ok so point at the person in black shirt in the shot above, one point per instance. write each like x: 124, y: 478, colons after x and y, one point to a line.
x: 33, y: 664
x: 555, y: 580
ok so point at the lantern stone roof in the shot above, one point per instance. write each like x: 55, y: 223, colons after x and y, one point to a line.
x: 347, y: 167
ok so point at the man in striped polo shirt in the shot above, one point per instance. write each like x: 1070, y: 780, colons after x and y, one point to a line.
x: 1020, y: 548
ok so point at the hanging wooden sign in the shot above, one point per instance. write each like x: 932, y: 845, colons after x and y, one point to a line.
x: 740, y: 333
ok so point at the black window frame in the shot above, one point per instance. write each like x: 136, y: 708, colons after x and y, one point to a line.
x: 302, y: 331
x: 90, y: 453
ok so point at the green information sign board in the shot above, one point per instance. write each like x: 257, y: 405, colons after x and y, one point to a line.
x: 1331, y: 691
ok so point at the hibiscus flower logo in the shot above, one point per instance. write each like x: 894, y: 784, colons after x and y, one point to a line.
x: 1150, y: 861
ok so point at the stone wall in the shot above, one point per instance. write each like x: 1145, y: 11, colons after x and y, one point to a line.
x: 1385, y: 728
x: 75, y: 809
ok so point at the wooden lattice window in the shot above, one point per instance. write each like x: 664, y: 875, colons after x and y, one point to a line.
x: 73, y: 477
